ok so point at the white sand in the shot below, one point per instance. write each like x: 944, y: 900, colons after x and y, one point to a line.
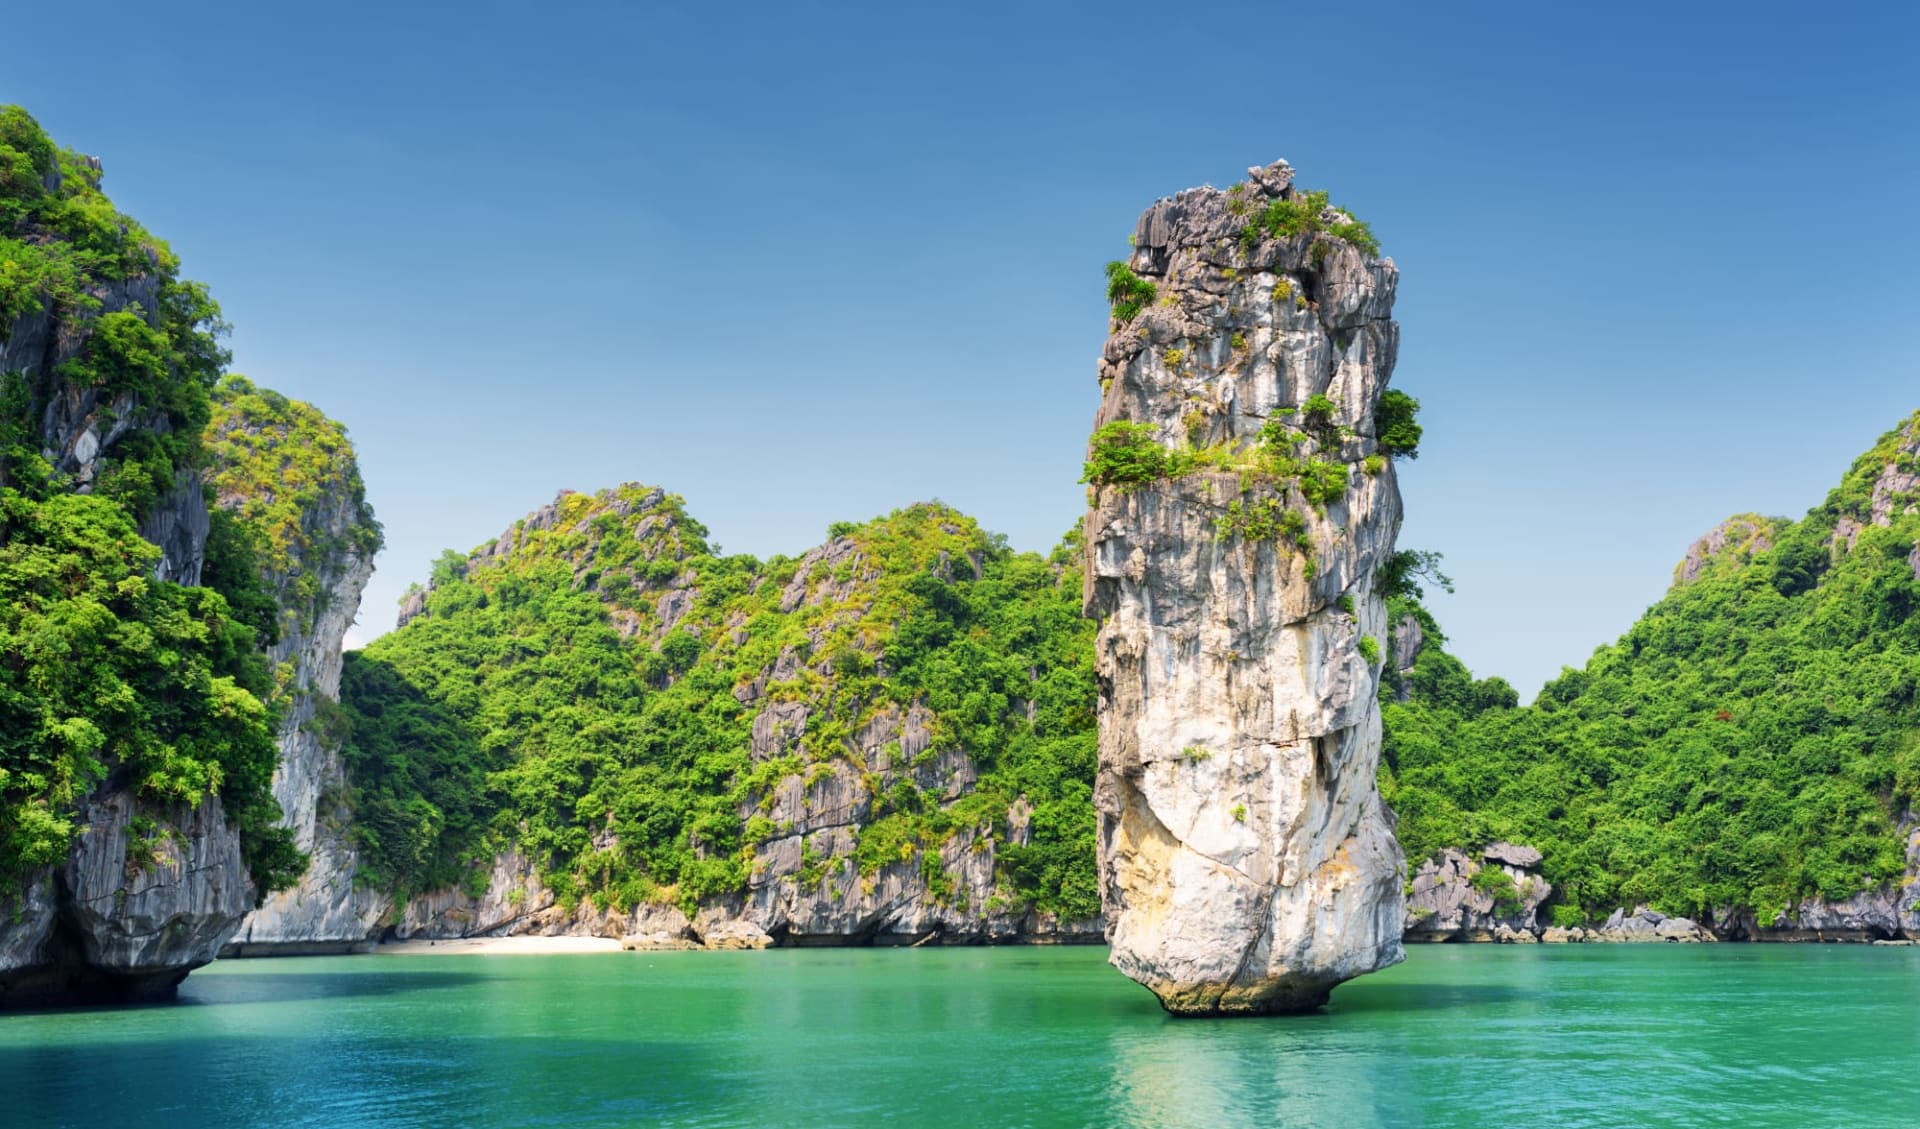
x: 500, y: 946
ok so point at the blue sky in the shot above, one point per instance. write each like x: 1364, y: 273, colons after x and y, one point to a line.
x: 804, y: 263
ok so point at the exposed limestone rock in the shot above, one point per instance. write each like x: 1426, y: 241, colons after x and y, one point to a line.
x: 1896, y: 490
x: 1447, y: 905
x: 1409, y: 639
x: 1510, y: 854
x: 1645, y: 924
x: 1455, y: 898
x: 1247, y: 862
x: 1732, y: 543
x: 150, y: 906
x: 317, y: 574
x: 178, y: 525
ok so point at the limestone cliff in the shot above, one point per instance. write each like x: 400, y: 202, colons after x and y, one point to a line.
x: 103, y: 355
x: 288, y: 473
x: 1243, y: 504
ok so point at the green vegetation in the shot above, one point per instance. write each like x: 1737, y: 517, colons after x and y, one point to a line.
x: 1370, y: 650
x: 613, y: 744
x: 1127, y: 455
x: 274, y: 461
x: 1749, y: 742
x: 113, y: 668
x: 1304, y: 213
x: 1396, y: 421
x: 108, y: 669
x: 1319, y: 410
x: 60, y: 248
x: 420, y: 781
x: 1498, y: 885
x: 1127, y: 292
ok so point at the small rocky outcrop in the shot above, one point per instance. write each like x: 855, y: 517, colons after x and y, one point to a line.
x: 1647, y: 925
x: 1731, y: 544
x: 1890, y: 912
x: 1891, y: 476
x: 1455, y: 897
x: 1247, y: 862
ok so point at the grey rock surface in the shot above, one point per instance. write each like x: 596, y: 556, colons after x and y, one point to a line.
x: 1648, y: 925
x: 1735, y: 541
x: 1254, y: 874
x: 324, y: 911
x: 154, y: 905
x: 1456, y: 898
x: 178, y: 525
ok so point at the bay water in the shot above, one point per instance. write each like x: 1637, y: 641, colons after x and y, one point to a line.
x: 1459, y: 1035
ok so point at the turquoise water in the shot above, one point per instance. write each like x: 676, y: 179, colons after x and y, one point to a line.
x: 1748, y: 1035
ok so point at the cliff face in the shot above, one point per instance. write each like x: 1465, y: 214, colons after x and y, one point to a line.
x: 1242, y: 508
x: 875, y: 742
x: 133, y: 908
x: 288, y: 474
x: 102, y: 356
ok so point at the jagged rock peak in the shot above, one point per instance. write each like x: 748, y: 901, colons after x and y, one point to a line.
x: 1243, y: 503
x: 632, y: 538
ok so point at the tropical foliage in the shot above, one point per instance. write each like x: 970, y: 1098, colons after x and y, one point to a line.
x: 105, y: 671
x: 607, y: 669
x: 1749, y: 743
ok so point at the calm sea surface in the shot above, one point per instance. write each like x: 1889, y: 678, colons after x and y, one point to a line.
x: 1748, y: 1035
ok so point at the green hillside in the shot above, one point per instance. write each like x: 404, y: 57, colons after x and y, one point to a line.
x: 587, y: 687
x: 1751, y: 741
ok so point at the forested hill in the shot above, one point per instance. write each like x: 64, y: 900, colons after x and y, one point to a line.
x: 1750, y: 745
x: 650, y: 721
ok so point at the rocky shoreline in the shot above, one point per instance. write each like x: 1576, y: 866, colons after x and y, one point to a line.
x: 1494, y: 897
x: 1497, y: 898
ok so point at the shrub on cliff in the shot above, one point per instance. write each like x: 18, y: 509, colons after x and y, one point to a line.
x: 1304, y: 213
x: 1397, y: 424
x: 1125, y: 454
x: 1127, y: 292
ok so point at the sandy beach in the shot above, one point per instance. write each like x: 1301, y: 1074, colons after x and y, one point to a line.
x: 500, y: 946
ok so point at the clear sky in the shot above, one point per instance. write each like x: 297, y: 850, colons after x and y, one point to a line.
x: 809, y: 262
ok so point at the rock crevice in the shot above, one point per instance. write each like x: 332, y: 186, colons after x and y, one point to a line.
x: 1247, y: 863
